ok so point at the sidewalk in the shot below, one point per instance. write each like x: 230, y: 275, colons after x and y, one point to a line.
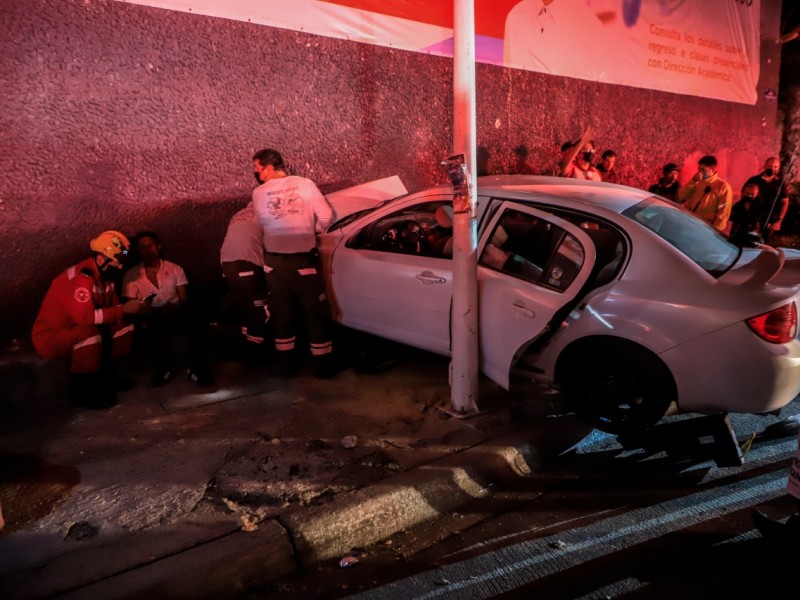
x: 194, y: 492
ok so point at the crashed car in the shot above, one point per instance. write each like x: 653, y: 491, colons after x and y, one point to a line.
x: 628, y: 304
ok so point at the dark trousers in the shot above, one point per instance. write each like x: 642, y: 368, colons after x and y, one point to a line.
x: 296, y: 286
x: 164, y: 328
x: 248, y: 287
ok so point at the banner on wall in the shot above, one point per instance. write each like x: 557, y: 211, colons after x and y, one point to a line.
x: 706, y: 48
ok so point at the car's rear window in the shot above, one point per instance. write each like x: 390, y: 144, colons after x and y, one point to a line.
x: 695, y: 238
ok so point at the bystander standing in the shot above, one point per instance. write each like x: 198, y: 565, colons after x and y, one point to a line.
x: 577, y: 161
x: 607, y: 167
x: 773, y: 194
x: 707, y: 195
x: 668, y: 185
x: 747, y: 216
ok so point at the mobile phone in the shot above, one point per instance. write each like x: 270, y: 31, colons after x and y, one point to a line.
x: 150, y: 298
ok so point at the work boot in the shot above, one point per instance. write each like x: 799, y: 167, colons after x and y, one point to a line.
x: 286, y: 363
x: 92, y: 391
x: 105, y: 392
x: 325, y: 366
x: 80, y: 388
x: 252, y: 354
x: 775, y: 531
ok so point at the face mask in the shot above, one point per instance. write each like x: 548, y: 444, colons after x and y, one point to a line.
x: 770, y: 172
x: 258, y: 177
x: 587, y: 156
x: 705, y: 174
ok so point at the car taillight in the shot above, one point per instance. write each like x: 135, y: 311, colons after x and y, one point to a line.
x: 778, y: 326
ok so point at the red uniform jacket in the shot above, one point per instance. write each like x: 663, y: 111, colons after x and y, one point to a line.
x: 78, y: 297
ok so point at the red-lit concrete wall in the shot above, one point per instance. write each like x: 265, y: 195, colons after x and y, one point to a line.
x: 129, y: 117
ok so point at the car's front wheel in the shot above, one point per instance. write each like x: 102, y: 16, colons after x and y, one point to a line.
x: 619, y: 388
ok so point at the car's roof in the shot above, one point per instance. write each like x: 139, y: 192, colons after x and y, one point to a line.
x: 561, y: 191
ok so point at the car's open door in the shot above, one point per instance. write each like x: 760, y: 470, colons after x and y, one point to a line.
x: 530, y: 265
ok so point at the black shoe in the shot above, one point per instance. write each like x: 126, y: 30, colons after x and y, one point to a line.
x: 776, y: 531
x: 162, y: 377
x: 201, y: 376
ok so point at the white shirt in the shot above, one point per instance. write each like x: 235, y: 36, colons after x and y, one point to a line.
x: 244, y: 239
x: 292, y: 211
x: 135, y: 283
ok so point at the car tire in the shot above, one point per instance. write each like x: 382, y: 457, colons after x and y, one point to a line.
x: 619, y: 388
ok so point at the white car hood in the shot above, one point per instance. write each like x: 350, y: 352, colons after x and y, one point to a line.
x: 366, y: 195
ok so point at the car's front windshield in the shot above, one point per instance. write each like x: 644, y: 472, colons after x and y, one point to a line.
x: 695, y: 238
x: 347, y: 219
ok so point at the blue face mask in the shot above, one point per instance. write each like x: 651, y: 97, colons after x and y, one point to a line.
x: 706, y: 174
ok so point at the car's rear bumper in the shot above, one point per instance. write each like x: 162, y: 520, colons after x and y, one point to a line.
x: 733, y: 370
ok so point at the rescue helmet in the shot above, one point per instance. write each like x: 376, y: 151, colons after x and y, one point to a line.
x: 113, y: 245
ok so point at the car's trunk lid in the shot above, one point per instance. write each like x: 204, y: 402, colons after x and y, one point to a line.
x: 764, y: 265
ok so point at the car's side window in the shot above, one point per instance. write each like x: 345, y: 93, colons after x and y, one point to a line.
x: 424, y: 229
x: 532, y: 249
x: 565, y: 264
x: 609, y: 247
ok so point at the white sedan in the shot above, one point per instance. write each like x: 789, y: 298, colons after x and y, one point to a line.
x: 626, y: 302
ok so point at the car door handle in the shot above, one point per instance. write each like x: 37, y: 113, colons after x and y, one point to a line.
x: 428, y: 278
x: 525, y: 312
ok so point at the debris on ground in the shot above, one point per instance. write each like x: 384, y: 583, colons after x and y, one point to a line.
x: 348, y: 561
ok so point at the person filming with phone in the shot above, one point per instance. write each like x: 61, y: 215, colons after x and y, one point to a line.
x: 707, y: 195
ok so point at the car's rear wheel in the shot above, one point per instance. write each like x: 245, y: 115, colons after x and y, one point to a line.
x: 618, y: 388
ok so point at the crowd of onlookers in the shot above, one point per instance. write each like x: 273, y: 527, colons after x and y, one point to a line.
x: 756, y: 217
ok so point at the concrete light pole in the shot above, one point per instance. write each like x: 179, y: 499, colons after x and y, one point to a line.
x: 464, y: 315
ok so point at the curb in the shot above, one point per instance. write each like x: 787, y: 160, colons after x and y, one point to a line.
x: 372, y: 514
